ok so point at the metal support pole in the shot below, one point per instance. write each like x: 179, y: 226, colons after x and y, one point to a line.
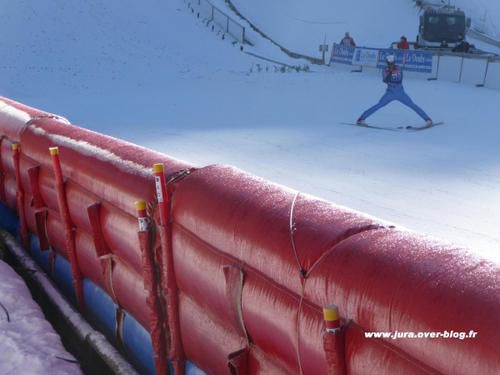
x: 461, y: 69
x: 485, y: 74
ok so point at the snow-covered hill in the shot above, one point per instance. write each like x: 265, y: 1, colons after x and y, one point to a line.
x: 485, y: 14
x: 303, y: 25
x: 150, y: 72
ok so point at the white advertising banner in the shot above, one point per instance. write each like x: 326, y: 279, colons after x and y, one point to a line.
x: 365, y: 57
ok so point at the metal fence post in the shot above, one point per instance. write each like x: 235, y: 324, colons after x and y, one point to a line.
x: 461, y: 69
x: 437, y: 67
x: 485, y: 74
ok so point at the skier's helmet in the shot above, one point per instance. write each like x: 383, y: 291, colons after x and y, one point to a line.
x: 390, y: 59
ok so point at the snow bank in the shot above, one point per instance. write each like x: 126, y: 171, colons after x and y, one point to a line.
x: 28, y: 342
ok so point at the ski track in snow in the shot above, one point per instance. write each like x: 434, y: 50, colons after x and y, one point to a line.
x: 153, y: 74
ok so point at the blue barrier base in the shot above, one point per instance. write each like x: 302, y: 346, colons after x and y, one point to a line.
x: 8, y: 220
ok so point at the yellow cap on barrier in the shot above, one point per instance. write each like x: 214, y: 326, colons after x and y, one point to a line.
x: 331, y: 313
x: 15, y: 146
x: 54, y: 150
x: 140, y: 205
x: 158, y: 168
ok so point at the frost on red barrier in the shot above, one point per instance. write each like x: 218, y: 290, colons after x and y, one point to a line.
x: 298, y: 254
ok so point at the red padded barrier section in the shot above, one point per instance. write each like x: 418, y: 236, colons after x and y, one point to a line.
x: 7, y: 161
x: 80, y: 199
x: 128, y: 287
x: 8, y: 174
x: 30, y: 213
x: 25, y: 165
x: 248, y: 218
x: 120, y: 233
x: 376, y: 356
x: 270, y: 316
x: 14, y: 116
x: 46, y: 185
x: 98, y: 172
x: 10, y: 191
x: 391, y: 280
x: 89, y: 169
x: 261, y: 364
x: 87, y: 259
x: 382, y: 279
x: 102, y: 165
x: 311, y: 330
x: 207, y: 341
x: 55, y: 232
x: 200, y: 274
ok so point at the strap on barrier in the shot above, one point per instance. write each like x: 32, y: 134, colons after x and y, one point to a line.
x: 119, y: 319
x: 41, y: 229
x: 106, y: 258
x: 334, y: 341
x: 151, y: 283
x: 33, y: 174
x: 41, y: 211
x: 234, y: 277
x: 238, y: 362
x: 69, y: 233
x: 93, y: 212
x: 175, y: 351
x: 23, y: 226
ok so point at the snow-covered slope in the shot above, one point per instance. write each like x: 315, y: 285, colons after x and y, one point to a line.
x: 28, y: 343
x: 91, y: 46
x: 303, y: 25
x: 485, y: 14
x: 151, y: 73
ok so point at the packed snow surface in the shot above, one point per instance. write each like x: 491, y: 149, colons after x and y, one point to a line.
x: 152, y: 73
x: 28, y: 343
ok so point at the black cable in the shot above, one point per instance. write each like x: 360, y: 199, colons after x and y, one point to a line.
x: 6, y: 311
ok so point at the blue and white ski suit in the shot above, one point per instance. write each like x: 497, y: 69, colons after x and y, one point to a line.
x: 395, y: 91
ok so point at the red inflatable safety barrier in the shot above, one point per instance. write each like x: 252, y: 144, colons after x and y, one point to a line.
x: 232, y: 272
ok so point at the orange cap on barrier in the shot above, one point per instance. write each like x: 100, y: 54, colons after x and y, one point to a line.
x: 15, y: 146
x: 140, y: 205
x: 158, y: 168
x: 331, y: 313
x: 331, y: 316
x: 54, y: 150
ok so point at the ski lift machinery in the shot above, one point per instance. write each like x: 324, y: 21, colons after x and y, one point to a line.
x: 441, y: 25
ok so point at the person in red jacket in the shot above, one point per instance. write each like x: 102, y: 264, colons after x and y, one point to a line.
x: 347, y: 41
x: 403, y: 43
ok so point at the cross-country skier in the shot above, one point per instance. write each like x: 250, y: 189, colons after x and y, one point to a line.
x: 393, y: 76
